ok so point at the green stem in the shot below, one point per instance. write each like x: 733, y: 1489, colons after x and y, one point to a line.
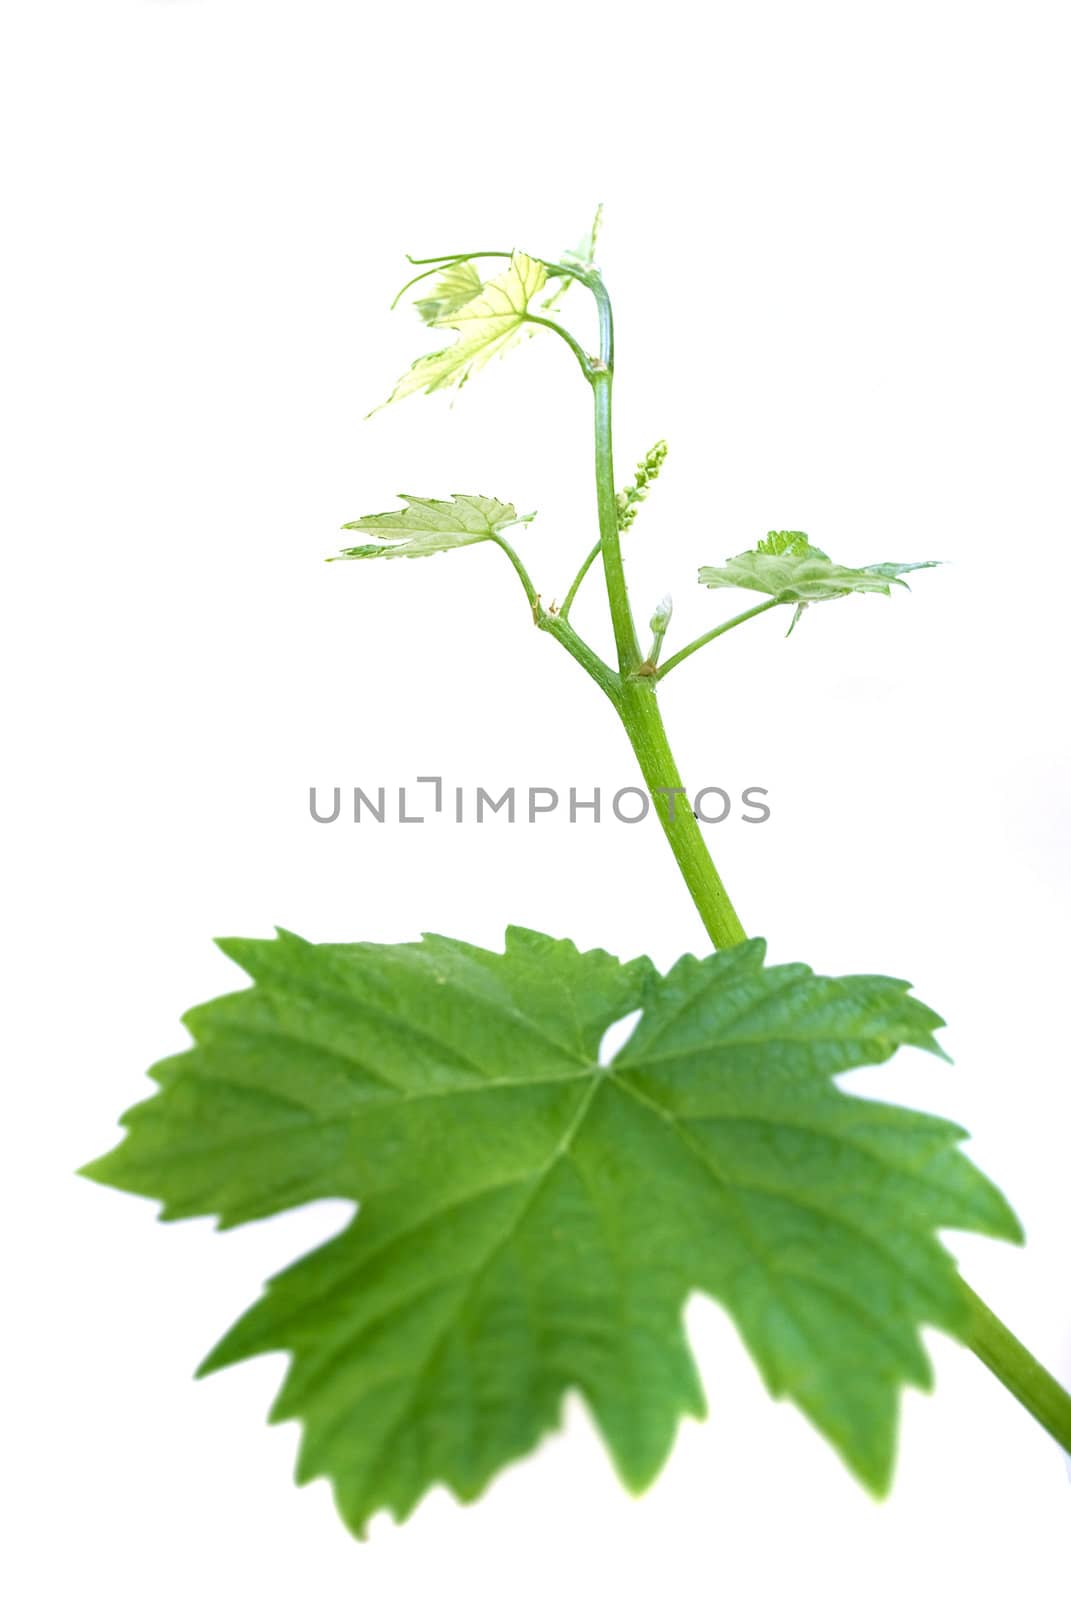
x: 634, y: 697
x: 457, y: 255
x: 637, y: 706
x: 593, y: 664
x: 593, y: 281
x: 714, y: 633
x: 587, y: 563
x: 1047, y: 1401
x: 629, y: 656
x: 563, y: 333
x: 558, y: 626
x: 520, y: 569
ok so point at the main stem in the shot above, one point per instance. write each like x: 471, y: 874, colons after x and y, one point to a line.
x: 638, y: 709
x: 635, y: 700
x: 629, y: 655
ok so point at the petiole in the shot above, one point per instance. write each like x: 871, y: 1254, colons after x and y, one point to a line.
x: 714, y: 633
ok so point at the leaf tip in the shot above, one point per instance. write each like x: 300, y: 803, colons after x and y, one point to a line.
x: 94, y: 1170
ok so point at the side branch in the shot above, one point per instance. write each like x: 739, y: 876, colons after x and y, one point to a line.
x: 581, y: 355
x: 585, y: 567
x: 559, y: 628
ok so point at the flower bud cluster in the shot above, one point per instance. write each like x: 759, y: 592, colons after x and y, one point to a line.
x: 630, y: 499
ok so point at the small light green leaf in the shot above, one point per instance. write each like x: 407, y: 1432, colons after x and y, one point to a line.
x: 581, y: 256
x: 455, y: 286
x: 796, y: 615
x: 791, y: 544
x: 793, y: 571
x: 531, y: 1222
x: 425, y: 527
x: 487, y: 325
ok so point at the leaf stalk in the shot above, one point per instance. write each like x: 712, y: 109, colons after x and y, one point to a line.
x: 714, y: 633
x: 1011, y: 1363
x: 585, y: 567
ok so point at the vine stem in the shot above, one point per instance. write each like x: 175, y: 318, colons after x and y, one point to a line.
x: 629, y: 656
x: 585, y: 566
x: 635, y: 699
x: 558, y: 626
x: 563, y: 333
x: 637, y: 706
x: 634, y: 696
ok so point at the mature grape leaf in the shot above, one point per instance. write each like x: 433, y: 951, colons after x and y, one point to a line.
x: 530, y: 1222
x: 789, y: 568
x: 424, y: 527
x: 487, y: 323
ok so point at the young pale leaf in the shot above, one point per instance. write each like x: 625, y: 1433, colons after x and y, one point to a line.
x: 789, y: 568
x: 424, y: 527
x: 582, y: 256
x: 487, y: 323
x: 793, y: 544
x: 455, y: 286
x: 530, y: 1222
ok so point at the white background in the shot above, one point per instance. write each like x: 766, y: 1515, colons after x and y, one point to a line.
x: 838, y: 244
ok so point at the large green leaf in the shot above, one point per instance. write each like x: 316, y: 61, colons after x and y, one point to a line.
x: 531, y: 1222
x: 791, y: 570
x: 425, y: 527
x: 487, y: 323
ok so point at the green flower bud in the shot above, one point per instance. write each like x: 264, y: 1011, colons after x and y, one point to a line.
x: 663, y: 611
